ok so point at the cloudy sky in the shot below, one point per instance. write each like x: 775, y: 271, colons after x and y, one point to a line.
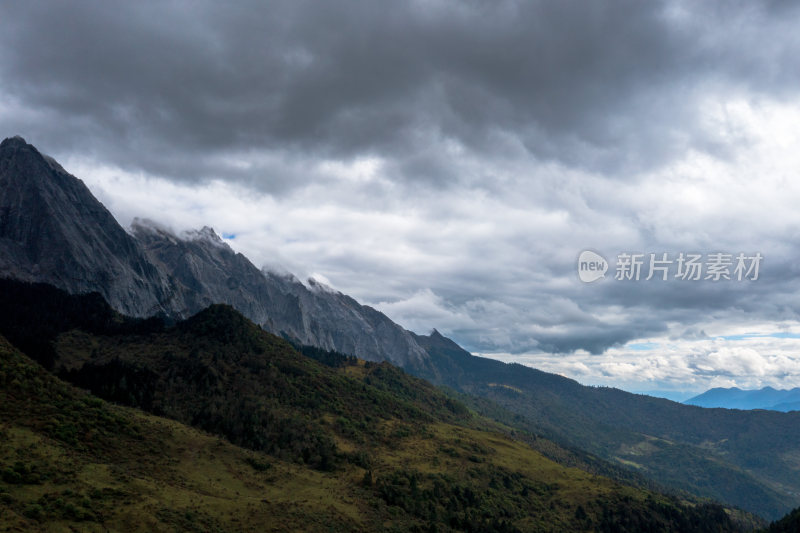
x: 447, y: 161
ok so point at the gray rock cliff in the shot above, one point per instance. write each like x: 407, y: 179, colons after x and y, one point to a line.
x: 206, y: 270
x: 53, y: 230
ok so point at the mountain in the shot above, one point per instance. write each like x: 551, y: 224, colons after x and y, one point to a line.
x: 786, y: 406
x: 288, y: 443
x: 208, y: 271
x: 735, y: 398
x: 746, y: 458
x: 53, y: 230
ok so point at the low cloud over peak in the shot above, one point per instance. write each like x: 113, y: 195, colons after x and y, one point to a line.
x: 445, y: 161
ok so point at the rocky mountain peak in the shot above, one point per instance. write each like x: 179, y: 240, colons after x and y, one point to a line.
x: 206, y: 233
x: 16, y: 150
x: 14, y: 142
x: 53, y: 230
x: 145, y: 229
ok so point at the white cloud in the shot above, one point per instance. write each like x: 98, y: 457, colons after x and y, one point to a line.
x: 425, y: 310
x: 687, y: 367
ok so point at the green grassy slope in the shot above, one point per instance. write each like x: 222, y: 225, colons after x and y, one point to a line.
x: 69, y: 459
x: 352, y: 447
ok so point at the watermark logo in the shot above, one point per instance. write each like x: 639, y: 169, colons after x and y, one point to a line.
x: 683, y: 266
x: 591, y: 266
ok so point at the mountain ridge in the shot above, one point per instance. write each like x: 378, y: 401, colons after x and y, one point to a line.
x: 208, y: 271
x: 53, y: 230
x: 735, y: 398
x: 738, y: 457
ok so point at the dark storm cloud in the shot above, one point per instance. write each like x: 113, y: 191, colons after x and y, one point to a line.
x: 508, y: 136
x: 607, y: 86
x: 552, y: 316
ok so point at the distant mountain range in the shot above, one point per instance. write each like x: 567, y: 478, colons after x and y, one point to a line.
x: 736, y: 398
x: 53, y: 231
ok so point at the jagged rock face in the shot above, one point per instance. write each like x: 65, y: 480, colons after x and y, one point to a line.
x: 323, y: 317
x: 206, y: 270
x: 53, y: 230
